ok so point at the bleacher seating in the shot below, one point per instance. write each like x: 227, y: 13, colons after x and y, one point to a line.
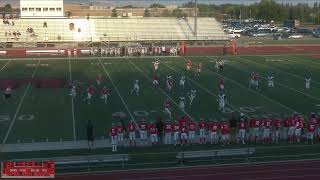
x: 114, y: 29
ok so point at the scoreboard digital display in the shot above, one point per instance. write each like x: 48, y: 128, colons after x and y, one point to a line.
x: 27, y: 169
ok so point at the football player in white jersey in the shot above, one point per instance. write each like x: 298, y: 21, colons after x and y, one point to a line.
x: 136, y: 88
x: 192, y: 96
x: 270, y: 81
x: 182, y: 81
x: 222, y: 101
x: 73, y: 91
x: 308, y: 81
x: 156, y: 65
x: 182, y: 103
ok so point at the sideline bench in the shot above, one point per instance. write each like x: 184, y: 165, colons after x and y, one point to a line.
x: 214, y: 154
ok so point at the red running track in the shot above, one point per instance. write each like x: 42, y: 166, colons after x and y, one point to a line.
x: 293, y: 170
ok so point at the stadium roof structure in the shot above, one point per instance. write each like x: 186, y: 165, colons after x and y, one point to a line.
x: 113, y: 30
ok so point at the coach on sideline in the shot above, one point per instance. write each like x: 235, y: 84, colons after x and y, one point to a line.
x: 90, y: 135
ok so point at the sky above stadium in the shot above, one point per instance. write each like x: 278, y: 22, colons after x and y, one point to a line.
x: 142, y: 3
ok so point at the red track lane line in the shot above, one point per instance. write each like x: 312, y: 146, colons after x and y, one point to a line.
x: 297, y: 177
x: 237, y: 171
x: 222, y: 167
x: 197, y: 175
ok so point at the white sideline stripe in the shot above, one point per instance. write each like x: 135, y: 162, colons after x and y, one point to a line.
x: 227, y: 173
x: 203, y: 88
x: 279, y: 70
x: 72, y: 106
x: 163, y: 92
x: 271, y: 100
x: 118, y: 92
x: 283, y: 85
x: 5, y: 65
x: 20, y: 104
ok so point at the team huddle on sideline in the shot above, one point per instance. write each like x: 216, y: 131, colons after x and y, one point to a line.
x: 185, y: 131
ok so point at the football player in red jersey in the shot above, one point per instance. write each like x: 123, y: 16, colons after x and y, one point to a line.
x: 167, y: 107
x: 199, y: 67
x: 267, y: 124
x: 298, y: 127
x: 189, y: 65
x: 153, y: 133
x: 242, y: 126
x: 311, y: 130
x: 202, y: 131
x: 169, y: 83
x: 120, y: 131
x: 176, y: 133
x: 143, y: 131
x: 105, y: 92
x: 113, y: 132
x: 168, y: 132
x: 224, y: 129
x: 132, y: 133
x: 184, y: 134
x: 318, y: 125
x: 99, y: 79
x: 90, y: 92
x: 155, y: 80
x: 192, y: 131
x: 213, y: 128
x: 276, y: 130
x: 221, y: 85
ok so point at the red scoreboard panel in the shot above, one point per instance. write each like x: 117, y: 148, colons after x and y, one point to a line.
x: 29, y: 169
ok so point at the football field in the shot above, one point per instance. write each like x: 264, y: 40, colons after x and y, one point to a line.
x: 41, y: 109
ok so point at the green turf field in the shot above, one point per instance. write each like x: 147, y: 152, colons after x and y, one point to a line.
x: 45, y: 114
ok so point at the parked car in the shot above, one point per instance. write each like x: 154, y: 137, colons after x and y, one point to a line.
x: 304, y: 31
x: 261, y: 33
x: 295, y: 36
x: 234, y: 35
x: 235, y: 30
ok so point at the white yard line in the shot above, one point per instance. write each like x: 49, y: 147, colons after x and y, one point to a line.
x: 72, y: 106
x: 279, y: 70
x: 163, y: 92
x: 280, y: 84
x: 203, y: 88
x: 20, y: 104
x: 118, y: 92
x: 255, y: 92
x: 5, y: 65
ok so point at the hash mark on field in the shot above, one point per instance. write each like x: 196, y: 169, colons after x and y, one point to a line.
x: 163, y: 92
x: 203, y: 88
x: 118, y: 92
x: 20, y: 104
x: 280, y: 84
x: 72, y: 106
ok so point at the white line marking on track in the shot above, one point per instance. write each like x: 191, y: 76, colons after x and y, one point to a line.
x: 203, y: 88
x: 255, y: 92
x: 200, y: 167
x: 5, y: 65
x: 226, y: 173
x: 72, y: 105
x: 163, y: 92
x: 280, y: 84
x: 20, y: 104
x: 118, y: 92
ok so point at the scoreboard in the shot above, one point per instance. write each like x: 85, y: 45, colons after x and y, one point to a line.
x: 27, y: 169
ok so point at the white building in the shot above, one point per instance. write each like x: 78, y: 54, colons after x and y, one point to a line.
x: 41, y: 8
